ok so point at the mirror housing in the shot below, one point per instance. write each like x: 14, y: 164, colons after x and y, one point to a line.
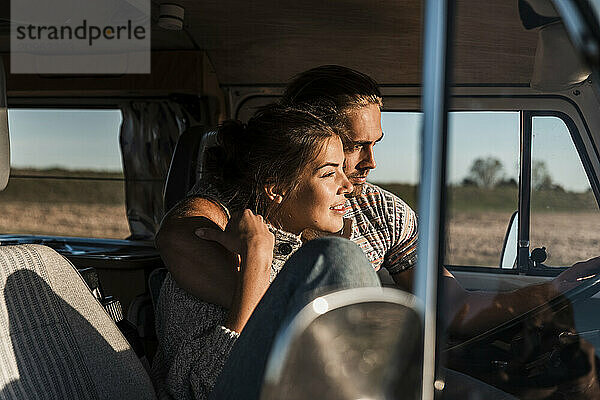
x: 351, y: 344
x: 557, y: 65
x: 508, y: 258
x: 4, y: 141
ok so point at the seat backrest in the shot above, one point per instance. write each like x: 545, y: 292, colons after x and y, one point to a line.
x: 155, y: 281
x: 182, y: 170
x: 186, y: 164
x: 56, y: 340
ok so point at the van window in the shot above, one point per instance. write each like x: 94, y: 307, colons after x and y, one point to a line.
x: 66, y: 174
x: 564, y: 213
x: 482, y: 179
x: 482, y: 182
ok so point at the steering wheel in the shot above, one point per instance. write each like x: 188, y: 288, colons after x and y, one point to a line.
x: 525, y: 347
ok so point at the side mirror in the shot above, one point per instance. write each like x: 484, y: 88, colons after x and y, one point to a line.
x: 363, y: 343
x: 508, y: 258
x: 4, y: 142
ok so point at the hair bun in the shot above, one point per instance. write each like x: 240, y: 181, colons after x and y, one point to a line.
x: 230, y: 135
x: 224, y: 160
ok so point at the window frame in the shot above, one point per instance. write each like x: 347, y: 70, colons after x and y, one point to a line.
x: 524, y: 203
x: 585, y: 160
x: 534, y: 107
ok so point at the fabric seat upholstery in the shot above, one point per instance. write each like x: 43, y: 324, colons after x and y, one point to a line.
x: 56, y: 340
x: 155, y: 281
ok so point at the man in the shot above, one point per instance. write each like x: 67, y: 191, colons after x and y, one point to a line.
x: 382, y: 224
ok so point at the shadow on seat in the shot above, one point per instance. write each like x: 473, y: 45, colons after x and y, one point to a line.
x: 57, y: 340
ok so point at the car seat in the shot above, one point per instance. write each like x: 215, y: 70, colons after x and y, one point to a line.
x: 56, y: 339
x: 186, y: 164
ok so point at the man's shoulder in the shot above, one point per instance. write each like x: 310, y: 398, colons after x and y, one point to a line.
x: 370, y: 188
x: 375, y: 202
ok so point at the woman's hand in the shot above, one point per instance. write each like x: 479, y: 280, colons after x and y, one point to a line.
x: 247, y: 235
x: 242, y: 229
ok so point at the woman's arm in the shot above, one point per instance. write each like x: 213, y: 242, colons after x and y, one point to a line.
x: 255, y: 272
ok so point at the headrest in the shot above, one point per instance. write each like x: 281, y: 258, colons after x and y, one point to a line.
x: 186, y: 164
x: 208, y: 140
x: 557, y: 66
x: 536, y: 13
x: 544, y: 8
x: 4, y: 142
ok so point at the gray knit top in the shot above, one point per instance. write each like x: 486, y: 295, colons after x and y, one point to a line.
x: 193, y: 343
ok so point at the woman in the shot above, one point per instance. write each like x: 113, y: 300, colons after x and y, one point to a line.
x: 274, y: 178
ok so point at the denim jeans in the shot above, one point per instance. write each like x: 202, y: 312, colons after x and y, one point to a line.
x: 318, y: 267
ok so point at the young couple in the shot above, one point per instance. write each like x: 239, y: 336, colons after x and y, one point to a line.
x: 237, y: 247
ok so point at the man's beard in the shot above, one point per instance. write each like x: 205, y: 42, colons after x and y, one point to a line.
x: 356, y: 191
x: 357, y: 186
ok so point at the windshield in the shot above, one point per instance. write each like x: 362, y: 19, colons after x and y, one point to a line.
x: 523, y: 326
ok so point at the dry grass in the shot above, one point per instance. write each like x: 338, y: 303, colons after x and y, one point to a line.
x: 568, y: 237
x: 476, y: 238
x: 64, y: 219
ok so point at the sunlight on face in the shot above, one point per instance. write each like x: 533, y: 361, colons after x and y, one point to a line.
x: 318, y: 201
x: 365, y: 132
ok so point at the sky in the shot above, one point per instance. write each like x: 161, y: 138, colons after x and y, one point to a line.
x: 71, y: 139
x: 89, y: 139
x: 475, y: 135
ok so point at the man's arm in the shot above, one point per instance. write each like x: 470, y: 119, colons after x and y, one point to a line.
x: 468, y: 313
x: 201, y: 267
x: 405, y: 279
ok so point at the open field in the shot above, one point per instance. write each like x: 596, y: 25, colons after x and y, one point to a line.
x: 92, y: 204
x: 64, y: 219
x: 566, y: 223
x: 473, y: 238
x: 476, y: 238
x: 86, y: 203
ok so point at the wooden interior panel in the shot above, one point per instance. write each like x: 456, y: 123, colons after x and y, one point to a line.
x: 172, y: 72
x: 491, y: 45
x: 270, y: 41
x: 266, y: 42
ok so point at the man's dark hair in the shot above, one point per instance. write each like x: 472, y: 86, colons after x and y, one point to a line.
x: 333, y: 85
x: 332, y: 92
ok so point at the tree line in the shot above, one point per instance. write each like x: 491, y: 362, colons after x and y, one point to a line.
x: 489, y: 173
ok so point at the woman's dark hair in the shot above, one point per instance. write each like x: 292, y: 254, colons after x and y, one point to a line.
x: 332, y: 92
x: 271, y: 149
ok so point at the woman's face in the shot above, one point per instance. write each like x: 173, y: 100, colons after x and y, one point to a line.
x: 318, y: 200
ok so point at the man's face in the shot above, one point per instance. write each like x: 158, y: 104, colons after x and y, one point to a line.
x: 365, y: 131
